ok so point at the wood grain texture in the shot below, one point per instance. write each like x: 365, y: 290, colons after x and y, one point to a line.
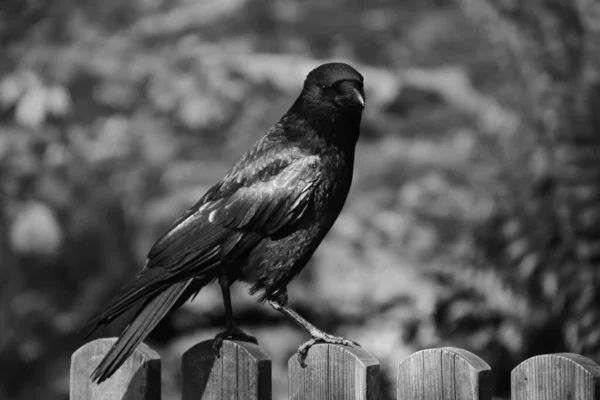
x: 242, y: 372
x: 558, y: 376
x: 137, y: 379
x: 334, y: 372
x: 446, y: 373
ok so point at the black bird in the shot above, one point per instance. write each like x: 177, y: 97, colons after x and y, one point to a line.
x: 260, y: 224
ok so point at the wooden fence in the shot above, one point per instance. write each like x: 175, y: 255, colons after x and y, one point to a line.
x: 333, y: 373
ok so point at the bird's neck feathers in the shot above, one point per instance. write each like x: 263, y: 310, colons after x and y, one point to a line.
x: 337, y: 126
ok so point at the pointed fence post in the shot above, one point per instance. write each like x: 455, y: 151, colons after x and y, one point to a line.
x: 556, y: 377
x: 137, y: 379
x: 334, y: 372
x: 242, y: 372
x: 446, y: 373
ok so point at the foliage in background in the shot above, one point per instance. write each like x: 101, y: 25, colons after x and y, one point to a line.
x: 460, y: 228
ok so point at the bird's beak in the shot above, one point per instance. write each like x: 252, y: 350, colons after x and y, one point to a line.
x: 357, y: 97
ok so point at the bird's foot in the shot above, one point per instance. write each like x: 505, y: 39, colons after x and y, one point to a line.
x: 321, y: 337
x: 232, y: 332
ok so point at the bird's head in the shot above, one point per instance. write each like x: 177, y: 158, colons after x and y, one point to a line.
x: 336, y: 87
x: 332, y: 96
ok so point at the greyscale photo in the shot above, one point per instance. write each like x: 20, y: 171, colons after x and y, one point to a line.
x: 299, y: 200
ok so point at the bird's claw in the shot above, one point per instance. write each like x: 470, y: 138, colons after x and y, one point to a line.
x: 232, y: 332
x: 321, y: 337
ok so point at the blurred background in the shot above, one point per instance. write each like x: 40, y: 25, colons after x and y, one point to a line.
x: 473, y: 220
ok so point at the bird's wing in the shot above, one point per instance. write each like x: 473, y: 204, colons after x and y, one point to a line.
x: 275, y: 197
x: 266, y: 192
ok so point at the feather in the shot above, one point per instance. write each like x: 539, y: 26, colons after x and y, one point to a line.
x: 145, y: 320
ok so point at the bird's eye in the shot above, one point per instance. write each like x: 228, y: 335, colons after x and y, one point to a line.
x: 321, y: 86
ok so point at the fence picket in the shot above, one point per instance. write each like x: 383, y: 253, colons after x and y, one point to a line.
x: 334, y: 372
x: 137, y: 379
x: 242, y: 372
x: 445, y: 373
x: 556, y: 377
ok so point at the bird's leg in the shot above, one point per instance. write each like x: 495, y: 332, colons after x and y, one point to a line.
x: 232, y: 330
x: 279, y: 303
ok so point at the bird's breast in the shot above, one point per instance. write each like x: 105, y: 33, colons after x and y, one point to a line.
x: 277, y: 260
x: 334, y: 185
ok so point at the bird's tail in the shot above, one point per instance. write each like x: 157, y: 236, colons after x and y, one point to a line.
x: 150, y: 314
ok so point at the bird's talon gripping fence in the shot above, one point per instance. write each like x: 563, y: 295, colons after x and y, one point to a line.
x: 333, y: 373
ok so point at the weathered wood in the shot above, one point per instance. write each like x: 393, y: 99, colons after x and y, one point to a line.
x: 445, y: 373
x: 556, y: 377
x: 334, y: 372
x: 242, y: 372
x: 137, y: 379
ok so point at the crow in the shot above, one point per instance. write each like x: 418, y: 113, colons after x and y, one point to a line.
x: 259, y: 225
